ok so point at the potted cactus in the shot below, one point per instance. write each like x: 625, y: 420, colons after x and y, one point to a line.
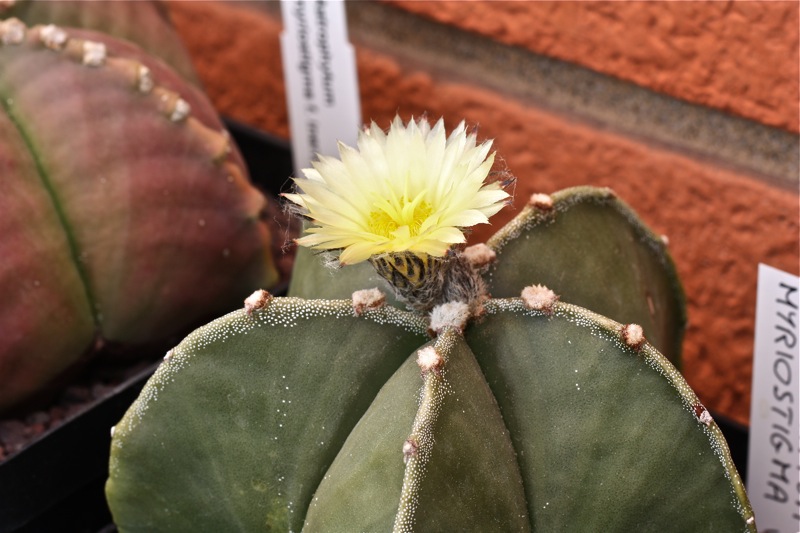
x: 138, y: 195
x: 127, y: 218
x: 466, y: 397
x: 55, y: 481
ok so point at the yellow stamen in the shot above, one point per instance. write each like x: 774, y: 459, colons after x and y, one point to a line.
x: 405, y: 218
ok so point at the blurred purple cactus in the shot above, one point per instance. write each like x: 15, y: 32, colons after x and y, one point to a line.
x: 126, y: 213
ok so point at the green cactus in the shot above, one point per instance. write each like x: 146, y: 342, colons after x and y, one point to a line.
x: 126, y: 215
x: 520, y: 413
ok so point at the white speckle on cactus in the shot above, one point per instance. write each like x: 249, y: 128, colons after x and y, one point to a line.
x: 609, y: 330
x: 367, y: 299
x: 480, y: 255
x: 257, y: 300
x: 632, y: 335
x: 428, y: 359
x: 180, y: 111
x: 751, y: 520
x: 539, y: 298
x: 281, y: 312
x: 451, y: 314
x: 53, y: 37
x: 94, y: 53
x: 12, y: 31
x: 144, y: 79
x: 168, y: 355
x: 541, y: 201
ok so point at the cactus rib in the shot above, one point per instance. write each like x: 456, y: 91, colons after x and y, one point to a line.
x: 418, y: 446
x: 588, y: 233
x: 582, y: 356
x: 321, y: 389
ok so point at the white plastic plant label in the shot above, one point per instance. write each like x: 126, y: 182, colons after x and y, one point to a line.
x: 773, y: 467
x: 321, y: 81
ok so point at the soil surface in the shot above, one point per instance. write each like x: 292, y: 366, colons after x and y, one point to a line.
x: 91, y: 385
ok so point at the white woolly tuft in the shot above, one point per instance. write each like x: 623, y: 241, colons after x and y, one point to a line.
x: 539, y: 298
x: 633, y: 335
x: 429, y: 359
x: 541, y: 201
x: 12, y: 31
x: 480, y: 255
x: 257, y: 300
x: 450, y: 314
x: 367, y: 299
x: 53, y: 37
x: 94, y: 54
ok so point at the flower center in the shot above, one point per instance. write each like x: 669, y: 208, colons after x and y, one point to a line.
x: 400, y: 219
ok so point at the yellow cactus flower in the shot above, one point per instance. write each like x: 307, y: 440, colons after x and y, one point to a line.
x: 411, y: 190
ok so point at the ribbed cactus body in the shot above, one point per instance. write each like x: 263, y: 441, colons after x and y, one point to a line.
x: 277, y: 425
x: 533, y: 415
x: 128, y: 210
x: 586, y: 233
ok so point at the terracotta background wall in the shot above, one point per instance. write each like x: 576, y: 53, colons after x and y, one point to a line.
x: 689, y: 110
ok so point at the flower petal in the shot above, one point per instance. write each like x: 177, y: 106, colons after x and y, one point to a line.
x: 412, y: 188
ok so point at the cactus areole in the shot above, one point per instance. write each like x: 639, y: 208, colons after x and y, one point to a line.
x: 336, y: 409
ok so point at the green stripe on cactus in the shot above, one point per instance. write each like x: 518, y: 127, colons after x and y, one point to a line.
x: 593, y: 251
x: 469, y: 482
x: 609, y: 438
x: 39, y: 280
x: 237, y: 428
